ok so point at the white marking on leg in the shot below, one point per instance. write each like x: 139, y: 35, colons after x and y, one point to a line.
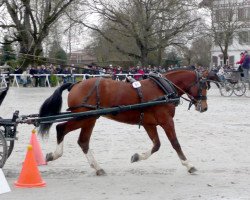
x: 58, y: 152
x: 92, y: 162
x: 145, y: 155
x: 187, y: 164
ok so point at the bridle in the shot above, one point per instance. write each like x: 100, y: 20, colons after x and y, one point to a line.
x: 201, y: 83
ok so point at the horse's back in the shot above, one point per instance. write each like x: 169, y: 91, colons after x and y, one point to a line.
x: 109, y: 92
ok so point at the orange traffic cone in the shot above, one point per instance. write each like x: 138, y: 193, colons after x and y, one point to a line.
x: 37, y: 149
x: 30, y: 175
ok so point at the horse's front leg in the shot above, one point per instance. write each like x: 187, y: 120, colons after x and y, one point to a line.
x: 153, y: 135
x: 170, y: 132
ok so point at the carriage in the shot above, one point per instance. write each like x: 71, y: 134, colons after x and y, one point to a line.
x: 7, y: 126
x: 233, y: 84
x: 148, y: 103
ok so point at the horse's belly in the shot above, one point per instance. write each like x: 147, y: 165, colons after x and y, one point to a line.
x: 134, y: 117
x: 130, y: 117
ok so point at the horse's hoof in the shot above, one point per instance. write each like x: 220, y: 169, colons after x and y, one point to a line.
x: 49, y: 157
x: 100, y: 172
x: 192, y: 170
x: 135, y: 158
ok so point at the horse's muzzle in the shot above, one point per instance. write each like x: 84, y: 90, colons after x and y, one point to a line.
x: 201, y: 107
x: 204, y: 110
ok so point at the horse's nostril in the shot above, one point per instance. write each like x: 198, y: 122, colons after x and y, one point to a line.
x: 205, y: 109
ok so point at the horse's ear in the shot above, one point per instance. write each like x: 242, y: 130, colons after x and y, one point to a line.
x: 212, y: 75
x: 205, y: 74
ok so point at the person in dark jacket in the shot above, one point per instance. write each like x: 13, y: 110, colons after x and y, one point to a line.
x: 18, y: 71
x: 246, y: 66
x: 33, y: 73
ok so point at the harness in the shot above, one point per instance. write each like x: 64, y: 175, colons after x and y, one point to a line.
x: 86, y: 98
x: 166, y: 86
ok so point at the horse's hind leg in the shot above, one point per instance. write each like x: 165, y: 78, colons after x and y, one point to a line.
x: 170, y: 131
x: 153, y: 135
x: 83, y: 142
x: 62, y: 129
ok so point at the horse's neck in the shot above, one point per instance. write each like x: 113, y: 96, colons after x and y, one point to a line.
x: 182, y: 80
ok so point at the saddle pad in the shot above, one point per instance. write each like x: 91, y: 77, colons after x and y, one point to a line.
x: 165, y: 85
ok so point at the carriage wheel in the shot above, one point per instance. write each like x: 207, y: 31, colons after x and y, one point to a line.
x: 9, y: 141
x: 3, y: 149
x: 10, y: 146
x: 239, y: 89
x: 226, y: 89
x: 247, y: 93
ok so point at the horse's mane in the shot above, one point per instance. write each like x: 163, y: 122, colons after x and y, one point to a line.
x: 190, y: 68
x: 212, y: 75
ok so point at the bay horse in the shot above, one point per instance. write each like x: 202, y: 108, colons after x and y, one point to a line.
x: 97, y: 93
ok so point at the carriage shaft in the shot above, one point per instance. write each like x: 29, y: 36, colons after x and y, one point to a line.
x: 99, y: 112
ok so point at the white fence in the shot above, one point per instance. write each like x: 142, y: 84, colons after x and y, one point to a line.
x: 17, y: 77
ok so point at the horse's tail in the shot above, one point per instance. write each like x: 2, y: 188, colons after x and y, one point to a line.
x: 52, y: 106
x: 3, y: 94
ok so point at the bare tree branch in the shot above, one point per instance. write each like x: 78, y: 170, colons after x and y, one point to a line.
x: 32, y: 20
x: 140, y: 21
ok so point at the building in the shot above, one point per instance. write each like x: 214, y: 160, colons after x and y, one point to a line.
x: 81, y: 58
x: 239, y: 24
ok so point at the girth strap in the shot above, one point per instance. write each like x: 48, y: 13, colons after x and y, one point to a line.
x: 139, y: 92
x: 138, y: 89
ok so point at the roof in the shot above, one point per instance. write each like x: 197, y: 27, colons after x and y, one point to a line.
x: 82, y: 55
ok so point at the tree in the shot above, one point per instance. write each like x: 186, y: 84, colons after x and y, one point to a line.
x: 172, y: 58
x: 225, y: 25
x: 188, y: 55
x: 106, y: 52
x: 149, y: 25
x: 198, y: 53
x: 7, y: 51
x: 30, y: 23
x: 57, y: 54
x: 201, y: 48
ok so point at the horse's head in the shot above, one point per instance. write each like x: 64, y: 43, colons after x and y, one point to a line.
x: 198, y: 92
x: 194, y: 85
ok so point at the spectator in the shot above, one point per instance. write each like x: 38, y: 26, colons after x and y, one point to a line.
x: 246, y: 66
x: 59, y: 69
x: 67, y: 76
x: 42, y: 78
x: 18, y: 70
x: 139, y: 73
x: 221, y: 74
x: 242, y: 57
x: 200, y: 69
x: 33, y: 72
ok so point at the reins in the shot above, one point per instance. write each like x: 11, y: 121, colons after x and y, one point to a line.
x: 191, y: 100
